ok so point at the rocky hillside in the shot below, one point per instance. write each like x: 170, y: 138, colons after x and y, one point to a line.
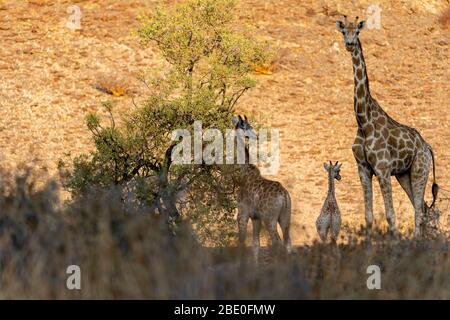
x: 47, y: 72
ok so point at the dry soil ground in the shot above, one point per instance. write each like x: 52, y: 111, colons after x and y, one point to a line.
x: 47, y: 72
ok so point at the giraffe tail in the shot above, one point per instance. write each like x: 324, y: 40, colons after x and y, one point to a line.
x: 434, y: 187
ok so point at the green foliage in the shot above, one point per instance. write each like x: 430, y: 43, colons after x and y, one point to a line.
x: 209, y: 58
x: 207, y: 72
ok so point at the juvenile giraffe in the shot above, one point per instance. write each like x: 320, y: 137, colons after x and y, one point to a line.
x: 260, y: 199
x: 383, y: 147
x: 330, y: 216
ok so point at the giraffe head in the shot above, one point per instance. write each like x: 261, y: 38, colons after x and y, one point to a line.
x: 333, y: 169
x: 350, y: 31
x: 243, y: 124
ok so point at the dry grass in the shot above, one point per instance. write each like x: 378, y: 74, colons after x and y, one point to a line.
x: 112, y: 84
x: 444, y: 19
x: 131, y: 255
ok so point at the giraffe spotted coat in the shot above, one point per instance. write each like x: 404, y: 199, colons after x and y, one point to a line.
x: 261, y: 200
x: 383, y: 147
x: 329, y: 219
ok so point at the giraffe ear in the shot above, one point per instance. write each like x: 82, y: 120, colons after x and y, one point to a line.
x: 234, y: 121
x: 340, y: 25
x: 361, y: 25
x: 326, y: 166
x: 339, y: 166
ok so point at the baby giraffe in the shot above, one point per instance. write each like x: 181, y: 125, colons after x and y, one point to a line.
x: 330, y: 216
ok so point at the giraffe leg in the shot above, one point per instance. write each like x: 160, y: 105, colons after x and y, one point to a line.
x: 285, y: 222
x: 273, y: 233
x: 256, y: 244
x: 242, y: 219
x: 386, y: 189
x: 323, y: 225
x: 419, y: 177
x: 335, y: 227
x: 365, y: 176
x: 405, y: 181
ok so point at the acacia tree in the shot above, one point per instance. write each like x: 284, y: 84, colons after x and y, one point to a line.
x: 208, y: 67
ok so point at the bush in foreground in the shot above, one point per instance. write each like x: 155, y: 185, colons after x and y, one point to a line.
x: 125, y: 254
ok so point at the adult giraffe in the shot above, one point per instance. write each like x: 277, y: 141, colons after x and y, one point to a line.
x: 383, y: 147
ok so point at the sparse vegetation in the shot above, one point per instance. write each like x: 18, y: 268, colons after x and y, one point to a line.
x: 125, y: 254
x: 444, y: 18
x: 111, y: 86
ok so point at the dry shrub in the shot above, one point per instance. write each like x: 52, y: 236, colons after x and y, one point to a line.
x: 444, y: 18
x: 410, y: 268
x: 432, y: 226
x: 112, y: 84
x: 264, y: 69
x: 129, y: 254
x: 122, y: 254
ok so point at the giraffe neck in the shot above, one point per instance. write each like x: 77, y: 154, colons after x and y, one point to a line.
x: 330, y: 184
x: 362, y: 98
x: 247, y: 170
